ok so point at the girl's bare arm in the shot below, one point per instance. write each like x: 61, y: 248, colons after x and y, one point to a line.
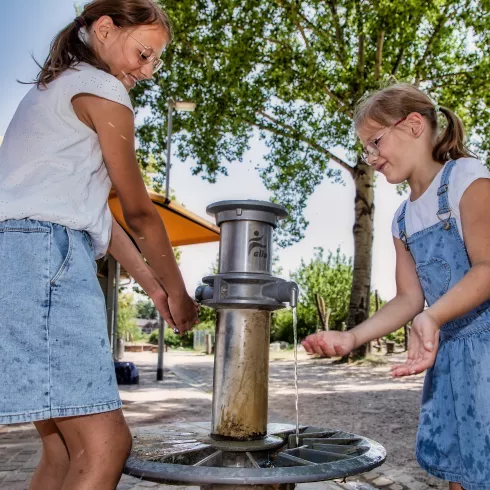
x: 114, y: 125
x: 408, y: 302
x: 124, y: 251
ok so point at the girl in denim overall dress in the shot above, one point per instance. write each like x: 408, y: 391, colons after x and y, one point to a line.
x: 442, y: 241
x: 70, y: 140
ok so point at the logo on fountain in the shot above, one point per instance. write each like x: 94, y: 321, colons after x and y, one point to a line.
x: 255, y: 243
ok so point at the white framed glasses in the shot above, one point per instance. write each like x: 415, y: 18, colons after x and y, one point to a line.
x: 147, y: 55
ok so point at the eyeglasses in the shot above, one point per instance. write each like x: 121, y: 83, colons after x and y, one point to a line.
x: 148, y: 55
x: 372, y: 149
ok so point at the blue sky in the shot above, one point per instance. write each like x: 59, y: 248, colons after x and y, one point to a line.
x: 28, y: 26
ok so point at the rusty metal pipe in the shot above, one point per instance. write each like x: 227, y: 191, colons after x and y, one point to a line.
x: 241, y: 374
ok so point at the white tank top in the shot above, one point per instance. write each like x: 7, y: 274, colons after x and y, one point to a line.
x: 51, y: 166
x: 422, y: 213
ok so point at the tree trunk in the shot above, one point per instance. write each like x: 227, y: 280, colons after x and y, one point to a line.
x: 363, y: 244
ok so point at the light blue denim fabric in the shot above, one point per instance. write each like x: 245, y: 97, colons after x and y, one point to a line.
x: 453, y: 439
x: 54, y: 348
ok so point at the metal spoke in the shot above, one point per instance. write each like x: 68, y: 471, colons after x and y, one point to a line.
x: 214, y: 459
x: 252, y: 460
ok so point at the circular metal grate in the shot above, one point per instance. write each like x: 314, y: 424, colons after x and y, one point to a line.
x: 186, y: 454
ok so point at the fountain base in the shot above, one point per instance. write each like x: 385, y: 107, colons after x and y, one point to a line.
x: 186, y: 454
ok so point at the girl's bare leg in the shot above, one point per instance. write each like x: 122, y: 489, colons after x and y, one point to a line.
x: 99, y: 445
x: 55, y: 460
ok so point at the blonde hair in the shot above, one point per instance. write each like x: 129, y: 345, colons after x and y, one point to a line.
x: 397, y: 101
x: 67, y: 49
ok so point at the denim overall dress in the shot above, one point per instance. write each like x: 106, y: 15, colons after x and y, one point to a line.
x: 453, y: 439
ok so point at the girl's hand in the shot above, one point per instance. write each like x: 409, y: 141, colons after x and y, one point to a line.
x: 160, y: 300
x: 330, y: 344
x: 184, y: 311
x: 422, y: 346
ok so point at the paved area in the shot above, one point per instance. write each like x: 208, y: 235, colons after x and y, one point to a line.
x: 185, y: 394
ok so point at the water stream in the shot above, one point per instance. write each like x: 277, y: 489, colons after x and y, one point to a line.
x: 295, y: 331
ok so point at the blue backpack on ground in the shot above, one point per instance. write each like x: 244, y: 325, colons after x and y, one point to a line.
x: 126, y: 373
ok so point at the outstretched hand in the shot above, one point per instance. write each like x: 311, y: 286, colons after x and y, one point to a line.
x: 330, y: 344
x: 422, y: 346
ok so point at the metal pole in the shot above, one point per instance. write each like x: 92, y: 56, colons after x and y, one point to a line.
x: 241, y: 374
x: 169, y: 144
x: 116, y: 307
x: 161, y: 345
x: 111, y: 272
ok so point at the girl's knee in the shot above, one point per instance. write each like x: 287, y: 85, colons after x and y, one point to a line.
x: 55, y: 461
x: 455, y: 486
x: 54, y: 451
x: 103, y: 467
x: 97, y: 441
x: 126, y: 443
x: 112, y: 450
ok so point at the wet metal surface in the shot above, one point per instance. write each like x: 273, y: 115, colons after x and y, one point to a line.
x: 186, y: 454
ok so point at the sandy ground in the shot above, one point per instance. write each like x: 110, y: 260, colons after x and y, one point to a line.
x: 360, y: 399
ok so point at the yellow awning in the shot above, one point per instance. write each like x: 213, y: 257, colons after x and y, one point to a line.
x: 183, y: 226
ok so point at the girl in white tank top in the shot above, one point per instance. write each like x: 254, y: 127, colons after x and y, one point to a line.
x: 71, y: 139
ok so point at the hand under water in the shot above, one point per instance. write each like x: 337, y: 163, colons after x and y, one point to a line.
x: 330, y: 344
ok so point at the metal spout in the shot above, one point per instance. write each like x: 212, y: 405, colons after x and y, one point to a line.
x: 293, y: 301
x: 283, y: 292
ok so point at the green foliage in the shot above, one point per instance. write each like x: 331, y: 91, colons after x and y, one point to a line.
x: 146, y: 309
x: 206, y: 325
x: 153, y: 339
x: 171, y: 339
x: 207, y: 316
x: 282, y: 327
x: 126, y: 314
x: 292, y: 72
x: 175, y: 340
x: 331, y: 278
x: 398, y: 336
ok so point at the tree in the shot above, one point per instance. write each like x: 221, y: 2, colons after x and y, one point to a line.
x: 126, y: 314
x: 331, y: 278
x: 328, y: 276
x: 292, y: 71
x: 146, y: 309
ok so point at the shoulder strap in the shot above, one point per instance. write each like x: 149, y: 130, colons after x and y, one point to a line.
x: 444, y: 208
x: 442, y: 191
x: 401, y: 226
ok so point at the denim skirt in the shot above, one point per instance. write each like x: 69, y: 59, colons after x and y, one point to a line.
x: 55, y: 356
